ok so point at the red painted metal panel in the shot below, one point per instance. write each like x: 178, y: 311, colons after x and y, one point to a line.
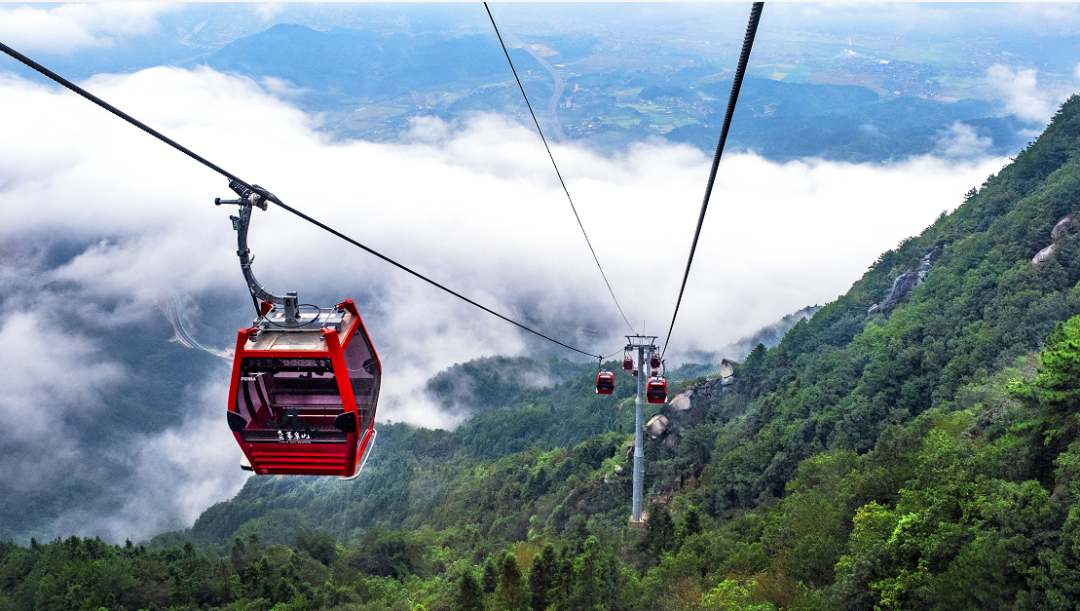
x: 348, y: 400
x: 318, y: 455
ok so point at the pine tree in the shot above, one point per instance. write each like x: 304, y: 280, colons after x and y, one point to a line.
x: 469, y: 595
x: 563, y: 583
x: 691, y: 525
x: 581, y: 533
x: 591, y: 590
x: 660, y: 536
x: 545, y: 571
x: 491, y: 575
x: 236, y: 554
x: 511, y: 594
x: 1057, y: 385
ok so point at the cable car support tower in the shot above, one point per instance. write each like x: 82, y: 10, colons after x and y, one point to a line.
x: 645, y: 345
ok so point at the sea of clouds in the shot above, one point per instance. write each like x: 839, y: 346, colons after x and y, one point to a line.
x: 473, y: 204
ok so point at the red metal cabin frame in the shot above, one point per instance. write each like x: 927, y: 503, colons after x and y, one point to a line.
x: 656, y: 391
x: 307, y: 457
x: 605, y: 382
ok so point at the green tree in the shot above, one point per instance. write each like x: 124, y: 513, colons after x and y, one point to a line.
x: 491, y: 575
x: 591, y: 589
x: 1057, y: 385
x: 690, y: 525
x: 660, y: 533
x: 565, y: 578
x: 236, y: 553
x: 511, y: 594
x: 542, y: 578
x: 730, y: 595
x: 321, y: 546
x: 469, y: 596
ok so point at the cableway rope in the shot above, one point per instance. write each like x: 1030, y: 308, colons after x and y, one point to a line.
x: 744, y: 57
x: 557, y: 172
x: 270, y: 196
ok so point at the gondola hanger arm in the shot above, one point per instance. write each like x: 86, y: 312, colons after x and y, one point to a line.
x: 249, y: 198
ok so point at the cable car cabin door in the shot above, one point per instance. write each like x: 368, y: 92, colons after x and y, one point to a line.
x: 303, y: 402
x: 605, y: 383
x: 656, y: 391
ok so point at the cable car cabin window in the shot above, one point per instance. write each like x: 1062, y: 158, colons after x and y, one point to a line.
x: 365, y: 374
x: 656, y: 391
x: 605, y: 383
x: 291, y: 400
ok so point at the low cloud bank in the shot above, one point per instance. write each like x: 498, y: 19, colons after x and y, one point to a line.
x: 1021, y: 93
x: 66, y: 28
x: 474, y: 205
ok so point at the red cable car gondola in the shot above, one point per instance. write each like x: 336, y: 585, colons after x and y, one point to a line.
x: 627, y: 363
x: 305, y: 386
x: 605, y: 382
x: 656, y: 391
x: 654, y: 361
x: 303, y: 401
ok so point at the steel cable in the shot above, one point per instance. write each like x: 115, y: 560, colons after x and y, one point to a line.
x: 557, y: 172
x: 736, y: 85
x: 270, y: 196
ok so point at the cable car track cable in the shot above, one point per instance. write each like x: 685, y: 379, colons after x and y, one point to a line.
x: 557, y: 172
x: 269, y: 196
x: 736, y: 85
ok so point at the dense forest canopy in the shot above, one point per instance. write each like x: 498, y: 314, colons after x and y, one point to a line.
x: 913, y: 445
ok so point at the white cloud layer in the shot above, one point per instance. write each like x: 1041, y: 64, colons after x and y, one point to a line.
x: 46, y: 374
x: 476, y: 206
x: 174, y: 476
x: 1021, y: 93
x: 961, y: 141
x: 66, y: 28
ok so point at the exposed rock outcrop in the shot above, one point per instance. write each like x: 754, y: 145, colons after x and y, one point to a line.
x: 656, y: 426
x: 1067, y: 224
x: 727, y: 372
x: 614, y: 475
x: 681, y: 402
x: 1043, y: 255
x: 905, y: 283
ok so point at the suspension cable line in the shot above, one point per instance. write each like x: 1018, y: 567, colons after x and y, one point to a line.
x: 269, y: 196
x: 744, y: 57
x: 557, y: 172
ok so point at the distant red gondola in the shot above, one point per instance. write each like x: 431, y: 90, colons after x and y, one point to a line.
x: 605, y: 382
x: 635, y: 372
x: 654, y: 361
x: 627, y: 363
x: 656, y: 391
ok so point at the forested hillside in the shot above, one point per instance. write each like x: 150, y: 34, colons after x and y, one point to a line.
x: 912, y: 446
